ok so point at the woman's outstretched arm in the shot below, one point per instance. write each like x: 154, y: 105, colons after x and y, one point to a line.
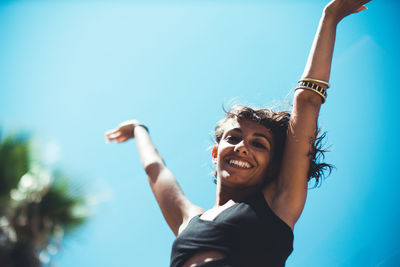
x: 176, y: 208
x: 290, y: 191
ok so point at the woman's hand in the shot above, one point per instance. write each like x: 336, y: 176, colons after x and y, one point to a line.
x: 339, y: 9
x: 123, y: 133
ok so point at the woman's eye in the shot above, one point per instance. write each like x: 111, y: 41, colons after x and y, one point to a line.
x: 232, y: 139
x: 258, y: 144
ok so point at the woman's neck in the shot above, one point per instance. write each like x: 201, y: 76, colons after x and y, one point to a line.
x: 225, y: 193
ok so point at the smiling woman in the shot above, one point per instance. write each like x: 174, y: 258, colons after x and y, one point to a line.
x: 264, y: 161
x: 243, y: 154
x: 274, y: 125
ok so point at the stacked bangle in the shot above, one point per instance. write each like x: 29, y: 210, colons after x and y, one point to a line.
x: 308, y: 84
x: 315, y: 80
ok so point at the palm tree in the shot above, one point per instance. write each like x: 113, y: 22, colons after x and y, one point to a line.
x: 37, y: 207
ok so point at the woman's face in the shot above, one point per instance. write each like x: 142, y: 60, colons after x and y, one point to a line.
x: 243, y: 154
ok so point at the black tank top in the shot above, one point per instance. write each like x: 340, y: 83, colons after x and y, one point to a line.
x: 249, y: 233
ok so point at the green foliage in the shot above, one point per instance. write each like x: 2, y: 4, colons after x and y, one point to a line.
x: 37, y: 207
x: 14, y: 162
x: 59, y: 204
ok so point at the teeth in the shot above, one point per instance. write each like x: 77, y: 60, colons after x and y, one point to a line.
x: 241, y: 164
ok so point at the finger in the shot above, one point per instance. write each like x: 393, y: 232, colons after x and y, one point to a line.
x: 109, y: 137
x: 362, y: 8
x: 365, y: 1
x: 111, y: 132
x: 114, y: 136
x: 121, y: 139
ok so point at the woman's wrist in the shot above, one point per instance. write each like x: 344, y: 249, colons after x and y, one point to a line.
x: 142, y: 126
x: 137, y: 124
x: 329, y: 18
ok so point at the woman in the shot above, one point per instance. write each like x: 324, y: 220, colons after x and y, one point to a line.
x: 263, y: 159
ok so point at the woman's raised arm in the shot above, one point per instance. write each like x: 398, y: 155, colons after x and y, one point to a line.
x: 176, y: 208
x: 290, y: 190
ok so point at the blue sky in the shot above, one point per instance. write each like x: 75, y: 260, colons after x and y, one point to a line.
x: 69, y: 70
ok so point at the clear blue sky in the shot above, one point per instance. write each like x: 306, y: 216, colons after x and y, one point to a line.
x: 69, y: 70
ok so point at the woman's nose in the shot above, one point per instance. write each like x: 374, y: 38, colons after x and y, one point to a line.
x: 241, y: 148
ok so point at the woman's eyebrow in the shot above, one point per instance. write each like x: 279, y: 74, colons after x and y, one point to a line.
x: 264, y: 136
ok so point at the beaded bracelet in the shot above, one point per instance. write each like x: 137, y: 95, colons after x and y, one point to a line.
x: 317, y: 81
x: 303, y: 84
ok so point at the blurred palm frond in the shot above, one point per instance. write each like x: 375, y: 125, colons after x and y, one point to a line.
x: 37, y: 207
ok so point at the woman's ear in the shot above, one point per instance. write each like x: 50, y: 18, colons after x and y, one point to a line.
x: 214, y: 153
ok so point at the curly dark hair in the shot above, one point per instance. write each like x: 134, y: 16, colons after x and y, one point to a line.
x: 277, y: 122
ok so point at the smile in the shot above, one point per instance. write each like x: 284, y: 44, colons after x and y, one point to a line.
x: 239, y: 163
